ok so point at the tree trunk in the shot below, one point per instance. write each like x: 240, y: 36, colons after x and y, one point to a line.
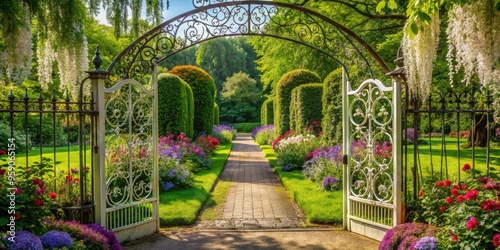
x: 481, y: 131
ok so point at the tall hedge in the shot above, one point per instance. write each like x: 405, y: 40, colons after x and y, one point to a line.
x: 203, y: 87
x: 216, y: 114
x: 332, y: 105
x: 266, y: 112
x: 305, y: 105
x: 174, y: 103
x: 283, y: 90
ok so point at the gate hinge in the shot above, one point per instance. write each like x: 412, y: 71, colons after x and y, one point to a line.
x: 96, y: 149
x: 344, y: 159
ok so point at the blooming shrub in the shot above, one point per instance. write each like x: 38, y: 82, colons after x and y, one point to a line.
x: 56, y: 239
x: 173, y: 175
x: 325, y: 162
x: 468, y: 211
x: 291, y: 151
x: 281, y: 137
x: 208, y: 143
x: 113, y: 242
x: 32, y: 199
x: 26, y: 240
x: 224, y: 133
x: 426, y: 243
x: 406, y: 236
x: 91, y: 238
x: 190, y: 155
x: 263, y: 135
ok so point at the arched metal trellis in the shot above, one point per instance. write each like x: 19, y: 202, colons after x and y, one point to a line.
x: 128, y: 110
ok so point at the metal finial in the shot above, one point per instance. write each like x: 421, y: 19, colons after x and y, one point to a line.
x: 97, y: 60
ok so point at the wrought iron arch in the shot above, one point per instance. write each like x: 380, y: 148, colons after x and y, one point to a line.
x: 223, y: 18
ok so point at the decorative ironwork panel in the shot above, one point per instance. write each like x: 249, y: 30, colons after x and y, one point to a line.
x: 214, y: 19
x: 129, y: 153
x: 371, y: 160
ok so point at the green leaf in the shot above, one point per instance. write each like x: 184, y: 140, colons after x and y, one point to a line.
x: 380, y: 6
x: 392, y: 5
x: 424, y: 17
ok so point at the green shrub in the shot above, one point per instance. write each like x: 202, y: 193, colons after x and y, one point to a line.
x: 291, y: 151
x: 173, y: 107
x: 305, y: 107
x: 20, y: 139
x: 203, y: 87
x: 245, y: 127
x: 284, y: 89
x: 216, y: 115
x: 266, y: 112
x: 264, y: 137
x: 332, y: 105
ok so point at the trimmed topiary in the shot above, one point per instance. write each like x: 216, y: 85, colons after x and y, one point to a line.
x: 203, y: 87
x: 267, y: 112
x: 305, y: 106
x: 283, y: 90
x: 216, y: 115
x: 173, y: 105
x: 332, y: 105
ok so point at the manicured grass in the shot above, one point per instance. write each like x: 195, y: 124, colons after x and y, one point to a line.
x: 245, y: 127
x: 318, y: 206
x: 180, y: 207
x: 215, y: 204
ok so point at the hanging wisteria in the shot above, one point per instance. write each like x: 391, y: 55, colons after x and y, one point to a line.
x: 419, y: 55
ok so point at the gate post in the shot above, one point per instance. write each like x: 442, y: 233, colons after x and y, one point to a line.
x: 398, y: 76
x: 345, y: 147
x: 98, y: 76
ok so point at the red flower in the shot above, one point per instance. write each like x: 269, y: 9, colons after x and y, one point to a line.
x: 471, y: 194
x: 2, y: 152
x: 439, y: 183
x: 40, y: 191
x: 36, y: 181
x: 69, y: 178
x: 454, y: 192
x: 442, y: 208
x: 472, y: 223
x: 460, y: 198
x: 466, y: 167
x: 39, y: 202
x: 464, y: 187
x: 2, y: 171
x: 75, y: 180
x: 19, y: 191
x: 421, y: 193
x: 496, y: 240
x: 489, y: 205
x: 41, y: 184
x: 17, y: 216
x: 447, y: 183
x: 449, y: 200
x: 52, y: 195
x: 454, y: 237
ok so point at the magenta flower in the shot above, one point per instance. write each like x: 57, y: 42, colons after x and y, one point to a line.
x: 472, y: 223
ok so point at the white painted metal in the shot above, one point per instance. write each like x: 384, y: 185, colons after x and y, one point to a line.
x: 371, y: 117
x: 128, y: 191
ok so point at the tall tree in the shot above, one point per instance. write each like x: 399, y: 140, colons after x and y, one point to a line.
x: 241, y: 99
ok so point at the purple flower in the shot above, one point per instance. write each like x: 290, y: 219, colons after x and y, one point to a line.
x: 56, y: 239
x: 261, y: 129
x: 167, y: 186
x: 426, y: 243
x: 26, y: 240
x: 113, y: 242
x: 328, y: 182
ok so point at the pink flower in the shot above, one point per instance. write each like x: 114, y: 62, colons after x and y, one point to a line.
x: 439, y: 183
x: 449, y: 200
x: 36, y: 181
x: 460, y: 198
x: 19, y: 191
x: 75, y: 171
x: 472, y: 223
x: 41, y: 184
x: 40, y: 191
x: 496, y: 240
x: 466, y: 167
x: 471, y: 194
x: 454, y: 192
x: 489, y: 205
x: 447, y: 183
x: 454, y: 237
x: 483, y: 179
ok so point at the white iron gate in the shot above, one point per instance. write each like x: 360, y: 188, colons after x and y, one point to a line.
x: 128, y: 185
x: 371, y: 136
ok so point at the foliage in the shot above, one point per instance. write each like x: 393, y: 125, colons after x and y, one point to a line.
x: 266, y: 112
x: 23, y: 144
x: 216, y: 115
x: 305, y: 107
x: 32, y: 202
x: 332, y: 105
x: 292, y: 150
x: 173, y: 176
x: 263, y: 135
x: 173, y: 113
x: 203, y: 88
x: 282, y: 100
x: 224, y: 133
x: 406, y: 235
x: 245, y: 127
x: 67, y: 187
x: 324, y: 165
x: 466, y: 211
x: 240, y: 99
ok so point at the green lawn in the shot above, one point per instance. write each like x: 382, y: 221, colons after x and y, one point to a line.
x: 180, y: 207
x: 318, y: 206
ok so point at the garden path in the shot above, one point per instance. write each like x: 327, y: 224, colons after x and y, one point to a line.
x: 256, y: 197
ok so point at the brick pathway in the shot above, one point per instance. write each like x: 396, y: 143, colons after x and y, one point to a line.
x: 256, y: 197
